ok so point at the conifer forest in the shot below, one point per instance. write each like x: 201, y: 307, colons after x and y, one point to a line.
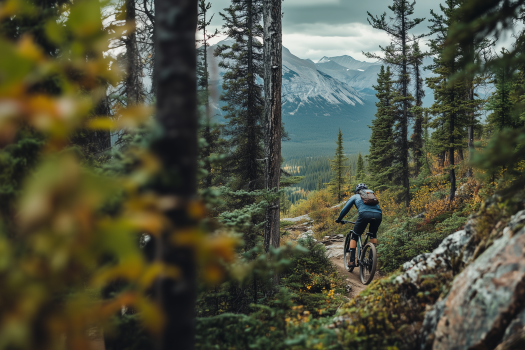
x: 165, y: 184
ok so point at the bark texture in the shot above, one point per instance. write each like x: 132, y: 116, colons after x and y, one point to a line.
x: 133, y: 69
x: 176, y: 21
x: 272, y: 112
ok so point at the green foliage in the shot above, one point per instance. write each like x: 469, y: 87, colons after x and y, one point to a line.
x: 340, y: 176
x: 278, y: 325
x: 360, y: 171
x: 127, y: 333
x: 314, y: 280
x: 16, y: 162
x: 406, y: 238
x: 381, y: 156
x: 288, y: 318
x: 242, y: 93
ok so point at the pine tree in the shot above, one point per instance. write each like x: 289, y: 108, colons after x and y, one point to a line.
x: 360, y: 175
x: 381, y: 154
x: 397, y: 54
x: 319, y: 184
x: 242, y: 94
x: 209, y: 134
x: 500, y: 102
x: 417, y: 111
x: 450, y: 108
x: 339, y: 181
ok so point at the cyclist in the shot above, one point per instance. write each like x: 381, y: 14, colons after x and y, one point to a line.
x: 368, y: 214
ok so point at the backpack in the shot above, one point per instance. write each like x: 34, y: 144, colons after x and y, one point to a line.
x: 368, y: 197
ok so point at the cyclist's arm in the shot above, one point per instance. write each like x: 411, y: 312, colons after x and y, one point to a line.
x: 346, y: 209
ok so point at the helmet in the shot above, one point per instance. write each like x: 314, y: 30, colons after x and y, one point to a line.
x: 360, y: 187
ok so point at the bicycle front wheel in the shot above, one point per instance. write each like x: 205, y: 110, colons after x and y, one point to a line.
x: 368, y: 263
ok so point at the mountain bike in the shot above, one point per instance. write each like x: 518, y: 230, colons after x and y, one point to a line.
x: 366, y: 256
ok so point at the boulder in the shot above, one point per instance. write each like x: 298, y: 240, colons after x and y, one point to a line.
x: 486, y: 296
x: 439, y: 260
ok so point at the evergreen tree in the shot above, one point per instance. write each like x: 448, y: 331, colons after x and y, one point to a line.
x: 381, y: 155
x: 500, y: 102
x: 319, y: 184
x: 360, y: 175
x: 209, y: 134
x: 339, y: 181
x: 450, y: 108
x: 242, y: 94
x: 417, y: 111
x: 397, y: 54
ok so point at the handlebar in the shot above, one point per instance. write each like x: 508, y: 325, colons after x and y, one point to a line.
x: 347, y: 222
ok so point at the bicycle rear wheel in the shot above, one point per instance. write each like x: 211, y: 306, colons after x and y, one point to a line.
x: 368, y: 263
x: 346, y: 249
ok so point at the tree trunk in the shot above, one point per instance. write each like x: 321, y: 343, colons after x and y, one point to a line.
x: 272, y: 112
x: 404, y: 121
x: 452, y: 141
x: 470, y: 172
x: 175, y: 55
x: 133, y: 70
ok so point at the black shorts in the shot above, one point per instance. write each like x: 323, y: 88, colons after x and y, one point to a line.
x: 365, y: 218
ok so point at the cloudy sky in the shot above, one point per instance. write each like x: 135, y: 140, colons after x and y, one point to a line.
x: 316, y: 28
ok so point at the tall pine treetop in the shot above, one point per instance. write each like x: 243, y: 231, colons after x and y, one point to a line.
x: 339, y: 174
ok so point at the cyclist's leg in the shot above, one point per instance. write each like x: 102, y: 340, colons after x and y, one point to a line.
x: 374, y: 226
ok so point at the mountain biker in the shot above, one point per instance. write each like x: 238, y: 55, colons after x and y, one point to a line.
x: 368, y: 214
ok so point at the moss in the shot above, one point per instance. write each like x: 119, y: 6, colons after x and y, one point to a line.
x: 389, y: 314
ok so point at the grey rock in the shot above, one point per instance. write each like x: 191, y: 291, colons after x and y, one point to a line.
x: 517, y: 219
x: 439, y: 259
x: 432, y: 316
x: 485, y: 296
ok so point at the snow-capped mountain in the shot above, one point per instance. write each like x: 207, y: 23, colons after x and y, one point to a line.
x: 362, y: 77
x: 350, y: 62
x: 315, y: 104
x: 304, y: 85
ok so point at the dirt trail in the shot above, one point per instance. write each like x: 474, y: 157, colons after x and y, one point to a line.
x: 352, y: 278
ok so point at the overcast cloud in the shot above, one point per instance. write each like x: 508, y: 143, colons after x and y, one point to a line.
x: 316, y: 28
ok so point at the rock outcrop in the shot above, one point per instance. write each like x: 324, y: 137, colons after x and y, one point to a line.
x: 487, y: 298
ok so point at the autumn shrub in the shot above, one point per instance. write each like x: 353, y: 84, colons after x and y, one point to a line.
x: 316, y: 200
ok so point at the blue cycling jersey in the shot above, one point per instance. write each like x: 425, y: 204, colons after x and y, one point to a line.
x: 361, y: 207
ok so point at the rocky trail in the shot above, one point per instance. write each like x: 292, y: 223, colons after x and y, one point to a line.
x: 334, y: 250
